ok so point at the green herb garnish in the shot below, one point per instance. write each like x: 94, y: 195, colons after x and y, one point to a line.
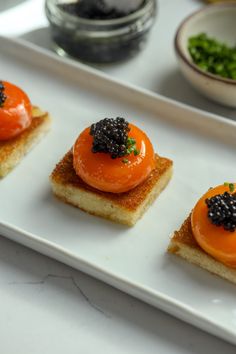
x: 230, y: 185
x: 131, y: 141
x: 213, y: 56
x: 131, y: 147
x: 125, y: 160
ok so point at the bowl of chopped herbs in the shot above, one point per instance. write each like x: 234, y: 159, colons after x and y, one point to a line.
x: 205, y: 45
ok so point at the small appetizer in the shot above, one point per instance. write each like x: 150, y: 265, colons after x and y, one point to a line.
x: 21, y: 126
x: 112, y: 172
x: 207, y: 237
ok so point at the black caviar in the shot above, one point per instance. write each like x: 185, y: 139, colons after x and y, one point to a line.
x: 3, y: 97
x: 222, y: 210
x: 100, y: 31
x: 110, y: 135
x: 93, y: 10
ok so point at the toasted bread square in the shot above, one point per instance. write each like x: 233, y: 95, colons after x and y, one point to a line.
x: 183, y: 244
x: 125, y: 208
x: 12, y: 151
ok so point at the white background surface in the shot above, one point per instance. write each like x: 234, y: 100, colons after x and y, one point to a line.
x: 47, y: 307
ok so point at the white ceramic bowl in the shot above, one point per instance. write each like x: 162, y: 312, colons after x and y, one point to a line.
x: 219, y: 22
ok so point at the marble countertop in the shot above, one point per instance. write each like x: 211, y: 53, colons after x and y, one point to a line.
x: 48, y: 307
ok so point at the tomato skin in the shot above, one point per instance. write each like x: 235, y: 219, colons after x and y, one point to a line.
x: 16, y: 112
x: 102, y: 172
x: 214, y: 240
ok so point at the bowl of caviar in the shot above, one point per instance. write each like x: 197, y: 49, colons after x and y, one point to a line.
x: 205, y: 45
x: 100, y: 31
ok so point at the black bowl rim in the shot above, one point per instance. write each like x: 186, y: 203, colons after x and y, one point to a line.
x: 180, y: 53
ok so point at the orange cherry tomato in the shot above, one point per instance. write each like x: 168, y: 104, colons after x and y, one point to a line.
x: 15, y: 113
x: 102, y: 172
x: 216, y: 241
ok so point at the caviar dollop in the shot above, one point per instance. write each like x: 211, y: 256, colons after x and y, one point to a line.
x: 222, y: 210
x: 15, y: 111
x: 110, y: 136
x: 113, y: 155
x: 213, y: 224
x: 3, y: 97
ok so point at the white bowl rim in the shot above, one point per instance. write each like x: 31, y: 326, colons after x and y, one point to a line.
x: 180, y: 52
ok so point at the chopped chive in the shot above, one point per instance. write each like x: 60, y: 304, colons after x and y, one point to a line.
x: 125, y: 160
x: 131, y: 141
x: 230, y: 185
x: 213, y: 56
x: 131, y: 147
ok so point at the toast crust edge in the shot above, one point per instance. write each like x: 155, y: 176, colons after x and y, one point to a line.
x: 184, y: 245
x: 124, y: 208
x: 12, y: 151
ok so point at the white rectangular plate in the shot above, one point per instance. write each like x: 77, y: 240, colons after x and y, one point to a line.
x: 132, y: 259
